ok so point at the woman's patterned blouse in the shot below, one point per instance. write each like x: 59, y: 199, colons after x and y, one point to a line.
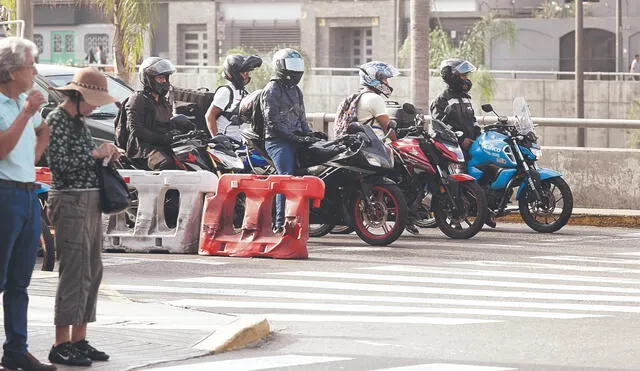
x: 69, y: 153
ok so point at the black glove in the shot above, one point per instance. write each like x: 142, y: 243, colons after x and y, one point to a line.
x: 319, y: 135
x: 304, y: 139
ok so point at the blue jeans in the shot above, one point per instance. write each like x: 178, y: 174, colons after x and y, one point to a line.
x: 283, y: 155
x: 19, y: 235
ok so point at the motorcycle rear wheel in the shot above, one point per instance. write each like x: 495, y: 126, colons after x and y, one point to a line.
x: 343, y: 229
x: 475, y: 207
x: 537, y: 214
x: 319, y: 230
x: 388, y: 205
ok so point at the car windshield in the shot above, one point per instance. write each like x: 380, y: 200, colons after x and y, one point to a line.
x: 116, y: 89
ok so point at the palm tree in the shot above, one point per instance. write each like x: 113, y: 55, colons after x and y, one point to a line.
x: 132, y: 20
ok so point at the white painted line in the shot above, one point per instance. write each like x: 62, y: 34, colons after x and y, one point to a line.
x: 445, y: 367
x: 286, y: 317
x: 248, y: 281
x: 377, y: 299
x: 637, y: 253
x: 581, y: 268
x: 510, y: 274
x: 589, y: 259
x: 458, y: 281
x: 114, y: 260
x: 256, y: 363
x: 362, y: 308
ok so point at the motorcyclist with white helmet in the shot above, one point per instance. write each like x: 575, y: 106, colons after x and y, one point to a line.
x: 286, y: 128
x: 148, y: 116
x: 453, y: 106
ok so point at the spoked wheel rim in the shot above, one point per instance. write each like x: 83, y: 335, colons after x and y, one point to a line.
x: 466, y: 221
x: 381, y: 218
x: 542, y: 210
x: 468, y: 216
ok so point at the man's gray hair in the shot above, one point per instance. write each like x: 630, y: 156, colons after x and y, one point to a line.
x: 13, y: 55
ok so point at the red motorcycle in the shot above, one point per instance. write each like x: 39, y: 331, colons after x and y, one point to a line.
x: 429, y: 170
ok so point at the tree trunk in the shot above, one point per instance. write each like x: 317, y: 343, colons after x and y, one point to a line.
x: 119, y: 58
x: 419, y: 32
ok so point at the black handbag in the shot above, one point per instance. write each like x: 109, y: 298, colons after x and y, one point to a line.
x: 114, y: 192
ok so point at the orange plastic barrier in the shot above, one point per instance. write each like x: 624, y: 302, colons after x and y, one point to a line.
x: 43, y: 175
x: 255, y: 238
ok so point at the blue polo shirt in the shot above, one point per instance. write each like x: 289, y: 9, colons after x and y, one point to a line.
x: 19, y: 165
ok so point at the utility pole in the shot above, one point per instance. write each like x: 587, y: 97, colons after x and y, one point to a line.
x: 24, y: 11
x: 619, y: 36
x: 579, y: 72
x: 420, y: 10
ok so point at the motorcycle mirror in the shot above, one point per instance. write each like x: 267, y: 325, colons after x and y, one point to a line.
x: 487, y: 108
x: 459, y: 134
x: 409, y: 108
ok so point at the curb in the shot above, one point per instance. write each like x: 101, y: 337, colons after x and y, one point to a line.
x: 596, y: 220
x: 239, y: 334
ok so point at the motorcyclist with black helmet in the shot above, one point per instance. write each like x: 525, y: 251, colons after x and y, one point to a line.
x: 453, y: 106
x: 286, y: 129
x: 222, y: 115
x: 149, y: 117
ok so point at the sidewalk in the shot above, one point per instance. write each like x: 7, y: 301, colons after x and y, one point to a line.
x: 594, y: 217
x: 140, y: 334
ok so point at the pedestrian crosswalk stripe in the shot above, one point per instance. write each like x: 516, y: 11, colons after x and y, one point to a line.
x: 495, y: 273
x: 458, y: 281
x: 588, y: 259
x: 376, y: 299
x: 415, y: 320
x: 563, y: 267
x: 360, y: 308
x: 249, y: 281
x: 255, y: 363
x: 444, y: 367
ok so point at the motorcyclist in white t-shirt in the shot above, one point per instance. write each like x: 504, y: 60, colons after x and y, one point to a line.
x: 372, y: 108
x: 222, y: 115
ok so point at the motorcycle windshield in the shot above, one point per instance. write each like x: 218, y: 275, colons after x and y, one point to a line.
x: 524, y: 123
x: 443, y: 132
x: 376, y: 153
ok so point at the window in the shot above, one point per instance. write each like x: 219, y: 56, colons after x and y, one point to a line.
x: 193, y: 39
x: 362, y: 42
x: 39, y: 41
x: 94, y: 40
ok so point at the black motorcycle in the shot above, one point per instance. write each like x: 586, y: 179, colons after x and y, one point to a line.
x: 356, y: 192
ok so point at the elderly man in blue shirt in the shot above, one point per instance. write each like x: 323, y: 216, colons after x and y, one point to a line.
x: 23, y: 138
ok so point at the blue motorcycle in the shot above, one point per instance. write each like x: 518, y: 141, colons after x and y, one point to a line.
x: 47, y: 244
x: 504, y: 158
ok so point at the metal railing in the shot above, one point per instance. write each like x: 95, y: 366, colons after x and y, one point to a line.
x: 322, y: 120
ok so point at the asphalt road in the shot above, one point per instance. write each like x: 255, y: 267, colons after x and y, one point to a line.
x: 508, y: 299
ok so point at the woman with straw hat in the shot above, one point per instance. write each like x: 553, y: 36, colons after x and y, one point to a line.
x: 74, y: 208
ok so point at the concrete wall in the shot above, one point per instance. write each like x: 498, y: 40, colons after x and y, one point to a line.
x: 599, y: 178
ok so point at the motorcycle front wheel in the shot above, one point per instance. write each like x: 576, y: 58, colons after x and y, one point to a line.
x: 343, y: 229
x: 319, y: 230
x: 382, y: 222
x: 542, y: 215
x: 469, y: 219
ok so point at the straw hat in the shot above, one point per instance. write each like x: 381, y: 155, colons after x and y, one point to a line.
x: 92, y: 84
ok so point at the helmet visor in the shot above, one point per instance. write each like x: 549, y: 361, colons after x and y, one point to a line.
x: 464, y: 67
x: 294, y: 64
x: 392, y: 72
x: 163, y: 67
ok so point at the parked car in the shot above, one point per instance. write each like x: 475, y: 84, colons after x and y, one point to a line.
x: 100, y: 122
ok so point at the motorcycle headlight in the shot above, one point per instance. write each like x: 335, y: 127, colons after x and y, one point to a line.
x: 536, y: 152
x: 373, y: 160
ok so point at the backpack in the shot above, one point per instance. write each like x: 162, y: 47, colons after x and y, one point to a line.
x: 347, y: 113
x: 120, y: 126
x: 250, y: 111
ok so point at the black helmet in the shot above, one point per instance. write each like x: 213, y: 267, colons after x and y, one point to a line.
x: 235, y: 64
x: 154, y: 66
x: 288, y: 65
x: 451, y: 69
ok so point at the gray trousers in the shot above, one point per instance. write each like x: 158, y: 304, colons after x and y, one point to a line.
x: 77, y: 220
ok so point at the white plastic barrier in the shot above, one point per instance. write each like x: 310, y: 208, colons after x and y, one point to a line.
x: 150, y: 231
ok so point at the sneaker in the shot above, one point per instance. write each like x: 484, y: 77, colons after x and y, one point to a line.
x: 83, y: 347
x: 491, y: 221
x: 278, y: 230
x: 26, y: 362
x: 66, y: 354
x: 412, y: 229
